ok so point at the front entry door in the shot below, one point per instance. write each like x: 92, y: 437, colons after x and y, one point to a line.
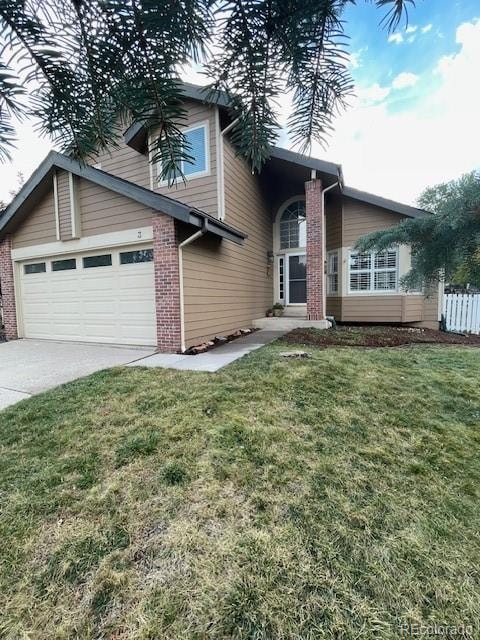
x: 297, y: 278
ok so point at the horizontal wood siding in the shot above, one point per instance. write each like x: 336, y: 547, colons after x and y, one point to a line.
x: 413, y: 308
x: 227, y: 286
x: 334, y: 307
x: 103, y: 211
x: 124, y: 162
x: 372, y: 308
x: 197, y: 192
x: 360, y: 218
x: 430, y: 311
x: 333, y: 223
x: 64, y: 213
x: 39, y: 227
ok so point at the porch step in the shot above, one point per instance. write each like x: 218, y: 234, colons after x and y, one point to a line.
x: 287, y: 323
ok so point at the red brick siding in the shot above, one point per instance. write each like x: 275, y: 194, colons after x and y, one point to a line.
x: 8, y: 289
x: 315, y: 257
x: 167, y: 283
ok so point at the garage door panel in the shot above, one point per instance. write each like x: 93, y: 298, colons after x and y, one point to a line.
x: 108, y: 304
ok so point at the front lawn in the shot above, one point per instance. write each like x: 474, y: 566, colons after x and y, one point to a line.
x: 333, y: 497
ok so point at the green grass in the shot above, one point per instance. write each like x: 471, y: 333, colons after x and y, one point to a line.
x: 334, y: 497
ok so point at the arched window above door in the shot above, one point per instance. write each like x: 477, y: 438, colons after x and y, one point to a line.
x: 293, y: 226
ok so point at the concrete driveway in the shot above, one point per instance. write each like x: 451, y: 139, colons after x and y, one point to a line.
x: 30, y: 366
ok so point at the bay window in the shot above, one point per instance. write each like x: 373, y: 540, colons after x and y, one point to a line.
x: 373, y: 272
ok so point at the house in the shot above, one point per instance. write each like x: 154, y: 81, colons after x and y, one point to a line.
x: 106, y: 252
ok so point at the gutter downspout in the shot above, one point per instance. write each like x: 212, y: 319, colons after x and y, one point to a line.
x: 220, y: 165
x: 190, y: 239
x: 324, y: 242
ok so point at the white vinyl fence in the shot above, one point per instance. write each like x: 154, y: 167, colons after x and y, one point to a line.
x: 462, y: 312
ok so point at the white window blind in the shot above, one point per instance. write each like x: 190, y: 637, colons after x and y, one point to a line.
x: 373, y: 272
x: 197, y: 150
x: 332, y: 272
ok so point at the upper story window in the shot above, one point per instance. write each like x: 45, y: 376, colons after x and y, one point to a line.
x: 197, y: 148
x: 293, y: 226
x: 373, y: 272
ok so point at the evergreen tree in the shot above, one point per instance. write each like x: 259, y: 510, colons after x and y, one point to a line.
x: 445, y: 245
x: 81, y: 66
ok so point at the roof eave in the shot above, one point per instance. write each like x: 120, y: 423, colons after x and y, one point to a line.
x: 384, y: 203
x: 329, y: 168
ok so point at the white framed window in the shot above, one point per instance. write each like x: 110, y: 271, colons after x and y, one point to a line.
x: 293, y: 226
x: 198, y: 148
x: 373, y: 272
x: 332, y: 272
x: 281, y: 279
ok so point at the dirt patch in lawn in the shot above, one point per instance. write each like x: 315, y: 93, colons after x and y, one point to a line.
x: 376, y: 336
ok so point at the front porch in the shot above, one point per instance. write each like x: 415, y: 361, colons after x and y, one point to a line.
x: 287, y: 323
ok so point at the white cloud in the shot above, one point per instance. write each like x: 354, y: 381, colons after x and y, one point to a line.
x: 395, y: 37
x: 411, y: 28
x: 404, y: 80
x: 354, y: 58
x: 372, y: 94
x: 393, y: 154
x: 427, y: 28
x: 399, y: 154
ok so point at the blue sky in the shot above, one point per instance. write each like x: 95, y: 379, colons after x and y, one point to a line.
x: 414, y: 119
x: 444, y: 16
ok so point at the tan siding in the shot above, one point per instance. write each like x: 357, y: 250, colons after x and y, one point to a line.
x: 334, y: 307
x: 125, y: 162
x: 39, y: 227
x: 360, y: 219
x: 395, y: 308
x: 372, y: 308
x: 226, y: 285
x: 64, y: 212
x: 430, y: 311
x: 198, y: 192
x: 413, y: 308
x: 333, y: 223
x: 103, y: 211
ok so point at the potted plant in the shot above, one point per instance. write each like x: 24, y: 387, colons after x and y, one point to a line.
x: 278, y: 310
x: 269, y: 313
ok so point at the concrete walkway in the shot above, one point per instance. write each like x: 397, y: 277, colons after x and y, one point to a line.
x: 211, y: 360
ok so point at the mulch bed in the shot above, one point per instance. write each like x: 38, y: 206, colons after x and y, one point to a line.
x: 375, y: 336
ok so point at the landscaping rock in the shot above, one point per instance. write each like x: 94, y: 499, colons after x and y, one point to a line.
x: 246, y: 331
x: 201, y: 348
x: 220, y: 339
x: 294, y: 355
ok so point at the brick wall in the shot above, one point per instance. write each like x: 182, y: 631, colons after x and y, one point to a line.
x: 167, y: 283
x: 8, y: 289
x: 315, y: 257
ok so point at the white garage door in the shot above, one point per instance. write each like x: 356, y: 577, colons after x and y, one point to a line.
x: 106, y: 296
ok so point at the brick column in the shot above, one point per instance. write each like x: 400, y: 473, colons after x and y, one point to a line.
x: 8, y: 289
x: 315, y: 257
x: 167, y: 283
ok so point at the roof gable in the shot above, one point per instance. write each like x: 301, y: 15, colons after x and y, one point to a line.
x: 384, y: 203
x: 40, y: 181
